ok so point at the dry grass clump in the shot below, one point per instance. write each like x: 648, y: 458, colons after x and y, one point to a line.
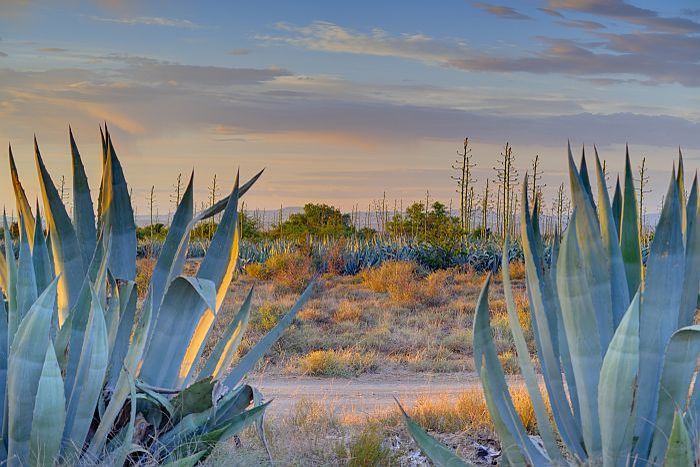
x: 292, y: 270
x: 469, y: 412
x: 337, y: 363
x: 517, y: 271
x: 348, y: 311
x: 267, y: 317
x: 367, y: 450
x: 404, y: 283
x: 144, y: 270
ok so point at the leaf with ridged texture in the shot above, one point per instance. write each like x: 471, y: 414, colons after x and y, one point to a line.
x: 680, y: 186
x: 248, y: 361
x: 113, y: 313
x: 91, y: 372
x: 43, y: 270
x: 176, y: 240
x: 617, y: 387
x: 223, y: 202
x: 585, y: 180
x: 660, y: 310
x: 83, y: 211
x: 544, y: 311
x: 129, y: 367
x: 129, y: 300
x: 629, y: 232
x: 118, y: 217
x: 526, y: 367
x: 225, y: 350
x: 594, y: 261
x: 77, y: 323
x: 184, y: 302
x: 611, y: 244
x: 617, y: 206
x: 679, y: 367
x: 4, y: 350
x: 582, y: 334
x: 68, y: 260
x: 24, y: 209
x: 438, y: 453
x: 49, y: 413
x: 26, y: 280
x: 691, y: 279
x: 3, y: 271
x: 11, y: 290
x: 514, y: 437
x: 188, y: 461
x: 680, y: 447
x: 218, y: 266
x: 122, y: 452
x: 25, y: 365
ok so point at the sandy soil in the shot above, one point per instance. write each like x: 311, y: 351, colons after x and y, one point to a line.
x: 365, y: 394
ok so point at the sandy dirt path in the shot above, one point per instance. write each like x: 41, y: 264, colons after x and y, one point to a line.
x: 366, y: 394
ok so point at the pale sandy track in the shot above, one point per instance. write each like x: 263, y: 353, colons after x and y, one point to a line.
x: 366, y: 394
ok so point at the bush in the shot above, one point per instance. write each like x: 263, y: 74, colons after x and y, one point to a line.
x: 269, y: 315
x: 293, y: 270
x: 367, y: 450
x: 348, y: 311
x: 257, y: 271
x: 345, y: 363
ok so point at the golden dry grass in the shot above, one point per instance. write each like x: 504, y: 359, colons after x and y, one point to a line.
x: 337, y: 363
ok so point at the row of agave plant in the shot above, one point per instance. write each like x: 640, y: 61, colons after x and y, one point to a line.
x: 91, y: 375
x: 615, y: 339
x: 364, y: 253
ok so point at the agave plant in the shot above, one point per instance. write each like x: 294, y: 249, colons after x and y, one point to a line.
x: 90, y: 375
x: 615, y: 340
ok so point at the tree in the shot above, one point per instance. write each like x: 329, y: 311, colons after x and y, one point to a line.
x: 177, y: 192
x: 463, y: 165
x: 536, y: 189
x: 643, y: 190
x: 213, y: 195
x: 507, y: 179
x: 317, y: 219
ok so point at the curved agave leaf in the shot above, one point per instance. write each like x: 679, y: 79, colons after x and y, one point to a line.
x: 691, y: 279
x: 118, y: 217
x: 184, y: 302
x: 595, y: 263
x: 26, y: 280
x: 4, y: 350
x: 218, y: 266
x: 49, y: 413
x: 125, y: 381
x: 680, y: 448
x: 188, y: 461
x: 83, y: 212
x: 438, y: 453
x: 225, y: 350
x: 680, y: 186
x: 511, y: 431
x: 618, y: 281
x: 128, y: 298
x: 68, y: 260
x: 43, y: 269
x: 248, y: 361
x: 679, y: 366
x: 582, y: 334
x: 526, y: 367
x: 617, y: 206
x: 91, y: 373
x: 11, y: 290
x: 544, y: 309
x: 25, y: 366
x: 617, y: 387
x: 629, y: 231
x: 660, y: 311
x: 23, y: 207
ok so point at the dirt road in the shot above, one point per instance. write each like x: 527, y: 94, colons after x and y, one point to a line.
x: 365, y: 394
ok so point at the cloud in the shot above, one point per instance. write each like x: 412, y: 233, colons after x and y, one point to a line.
x: 655, y: 63
x: 2, y: 54
x: 150, y: 21
x: 551, y: 12
x: 622, y: 10
x: 328, y: 37
x: 691, y: 12
x: 582, y: 24
x: 501, y: 11
x: 239, y: 51
x: 52, y: 49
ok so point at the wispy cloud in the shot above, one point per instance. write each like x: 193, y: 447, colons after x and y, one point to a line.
x: 502, y: 11
x: 617, y: 56
x: 3, y: 54
x: 150, y: 21
x: 239, y: 51
x: 625, y: 11
x: 51, y: 50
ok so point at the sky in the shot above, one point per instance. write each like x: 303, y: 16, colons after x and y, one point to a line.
x: 342, y: 102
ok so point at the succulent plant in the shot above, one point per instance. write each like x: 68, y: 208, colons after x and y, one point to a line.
x: 88, y: 374
x: 615, y: 338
